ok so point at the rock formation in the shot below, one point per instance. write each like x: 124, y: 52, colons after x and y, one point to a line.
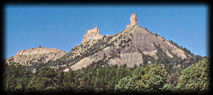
x: 133, y: 46
x: 35, y: 54
x: 92, y: 34
x: 134, y: 19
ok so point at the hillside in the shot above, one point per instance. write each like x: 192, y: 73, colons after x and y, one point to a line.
x: 135, y: 45
x: 132, y: 60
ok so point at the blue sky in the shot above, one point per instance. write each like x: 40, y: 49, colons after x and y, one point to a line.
x: 63, y: 27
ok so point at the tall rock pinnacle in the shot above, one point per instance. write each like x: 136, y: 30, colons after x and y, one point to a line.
x: 134, y: 19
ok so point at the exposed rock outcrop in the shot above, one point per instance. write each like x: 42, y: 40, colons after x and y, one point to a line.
x: 134, y: 19
x: 33, y: 55
x: 135, y: 45
x: 92, y: 34
x: 130, y: 47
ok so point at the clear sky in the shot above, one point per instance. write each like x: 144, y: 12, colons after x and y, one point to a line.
x: 63, y: 27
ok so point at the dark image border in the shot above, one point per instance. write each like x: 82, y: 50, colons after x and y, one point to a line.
x: 94, y: 3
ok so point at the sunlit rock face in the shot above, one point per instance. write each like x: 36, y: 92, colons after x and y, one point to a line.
x: 135, y: 45
x: 134, y: 19
x: 127, y: 47
x: 92, y: 34
x: 40, y: 55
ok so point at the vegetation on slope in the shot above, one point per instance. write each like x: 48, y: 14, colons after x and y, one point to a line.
x: 99, y: 77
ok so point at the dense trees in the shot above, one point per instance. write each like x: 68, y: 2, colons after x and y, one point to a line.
x: 126, y: 83
x: 152, y: 77
x: 16, y: 77
x: 97, y: 77
x: 195, y: 77
x: 43, y: 80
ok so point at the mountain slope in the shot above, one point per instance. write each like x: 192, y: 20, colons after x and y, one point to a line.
x: 35, y: 56
x: 135, y: 45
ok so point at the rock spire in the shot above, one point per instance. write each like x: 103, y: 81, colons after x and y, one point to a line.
x: 134, y: 19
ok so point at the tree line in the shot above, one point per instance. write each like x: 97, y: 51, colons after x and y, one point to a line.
x: 149, y: 78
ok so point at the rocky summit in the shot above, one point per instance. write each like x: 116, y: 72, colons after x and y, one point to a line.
x: 134, y: 60
x: 135, y: 45
x: 134, y: 19
x: 92, y: 34
x: 36, y: 55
